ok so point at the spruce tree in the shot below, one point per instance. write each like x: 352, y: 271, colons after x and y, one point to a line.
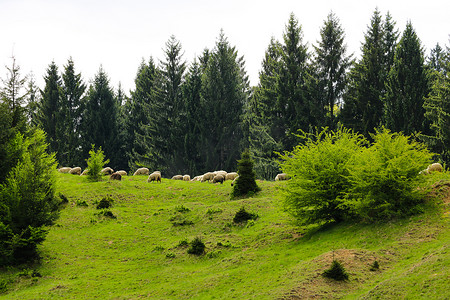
x: 32, y: 101
x: 293, y: 109
x: 225, y: 91
x: 99, y: 120
x: 407, y: 85
x: 245, y: 184
x: 49, y: 108
x: 332, y: 63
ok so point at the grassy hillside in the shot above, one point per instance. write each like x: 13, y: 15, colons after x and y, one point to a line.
x: 141, y: 251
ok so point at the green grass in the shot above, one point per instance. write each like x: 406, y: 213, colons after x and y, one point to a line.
x: 141, y: 254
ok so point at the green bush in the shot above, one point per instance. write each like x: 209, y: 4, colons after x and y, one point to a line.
x: 105, y: 202
x: 243, y: 216
x: 246, y: 182
x: 319, y: 171
x: 385, y: 177
x: 336, y: 272
x: 337, y: 176
x: 197, y: 247
x: 95, y: 164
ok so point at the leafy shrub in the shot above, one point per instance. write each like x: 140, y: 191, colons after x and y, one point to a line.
x: 197, y: 247
x: 385, y: 177
x: 95, y: 163
x: 3, y: 286
x: 375, y: 266
x: 319, y: 171
x: 183, y: 243
x: 108, y: 214
x: 182, y: 209
x: 242, y: 216
x: 170, y: 255
x: 246, y: 182
x: 336, y: 272
x: 105, y: 202
x: 63, y: 198
x: 82, y: 203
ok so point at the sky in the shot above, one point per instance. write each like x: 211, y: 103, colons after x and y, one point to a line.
x: 118, y: 35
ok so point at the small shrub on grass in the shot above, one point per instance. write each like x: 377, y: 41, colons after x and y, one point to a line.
x: 95, y: 163
x: 246, y: 182
x: 375, y: 266
x: 170, y: 255
x: 183, y: 243
x: 63, y: 198
x: 105, y: 202
x: 182, y: 209
x: 3, y: 286
x: 197, y: 247
x: 82, y: 203
x: 336, y: 272
x: 243, y: 216
x: 180, y: 220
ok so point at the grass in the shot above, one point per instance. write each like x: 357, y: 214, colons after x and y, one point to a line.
x: 142, y: 253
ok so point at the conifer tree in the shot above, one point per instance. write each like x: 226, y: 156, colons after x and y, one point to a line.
x: 49, y: 108
x: 407, y: 85
x: 99, y: 120
x: 225, y: 92
x: 332, y: 63
x: 246, y: 182
x: 33, y: 99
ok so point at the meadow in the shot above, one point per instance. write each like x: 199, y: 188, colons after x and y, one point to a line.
x: 138, y: 250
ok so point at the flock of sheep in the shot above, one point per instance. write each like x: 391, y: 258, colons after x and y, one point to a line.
x: 213, y: 177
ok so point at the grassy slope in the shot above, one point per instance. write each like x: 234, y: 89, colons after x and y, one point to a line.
x: 138, y: 255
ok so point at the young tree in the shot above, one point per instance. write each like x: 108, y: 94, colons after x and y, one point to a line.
x: 95, y: 163
x: 332, y: 63
x: 407, y: 85
x: 246, y: 182
x: 33, y: 99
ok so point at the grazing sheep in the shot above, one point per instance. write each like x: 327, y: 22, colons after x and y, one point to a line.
x: 155, y: 176
x: 115, y: 176
x: 85, y: 172
x: 208, y: 176
x: 234, y: 180
x: 436, y: 167
x: 177, y: 177
x: 64, y: 170
x: 197, y: 178
x: 231, y: 176
x: 218, y: 178
x: 223, y: 173
x: 107, y: 171
x: 122, y: 173
x: 186, y: 178
x: 75, y: 171
x: 281, y: 176
x: 141, y: 171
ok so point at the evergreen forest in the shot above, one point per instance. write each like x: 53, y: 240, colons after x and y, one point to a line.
x: 192, y: 117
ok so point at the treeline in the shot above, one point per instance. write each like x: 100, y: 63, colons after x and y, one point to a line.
x: 196, y: 117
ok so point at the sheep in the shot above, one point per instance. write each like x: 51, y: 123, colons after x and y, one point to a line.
x: 197, y: 178
x: 107, y: 171
x: 64, y: 170
x: 208, y: 176
x: 75, y: 171
x: 115, y: 176
x: 223, y: 173
x: 141, y: 171
x: 281, y: 176
x: 85, y: 172
x: 186, y: 178
x: 218, y: 178
x: 177, y: 177
x: 436, y: 167
x: 155, y: 176
x: 234, y: 180
x: 231, y: 176
x: 122, y: 173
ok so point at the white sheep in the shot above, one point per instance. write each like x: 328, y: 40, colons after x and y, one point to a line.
x: 141, y: 171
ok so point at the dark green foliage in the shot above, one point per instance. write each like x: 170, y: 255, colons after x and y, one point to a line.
x: 375, y: 266
x: 105, y: 202
x: 407, y: 85
x: 243, y: 216
x: 183, y: 243
x: 95, y: 164
x: 182, y: 209
x: 197, y: 247
x: 82, y: 203
x: 336, y: 272
x: 246, y: 182
x: 319, y: 170
x: 107, y: 214
x: 331, y: 62
x: 63, y: 198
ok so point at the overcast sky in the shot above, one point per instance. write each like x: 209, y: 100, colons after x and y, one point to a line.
x: 119, y: 34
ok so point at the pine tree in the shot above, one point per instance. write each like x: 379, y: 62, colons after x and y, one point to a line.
x: 33, y: 100
x: 224, y: 94
x: 99, y: 120
x: 121, y: 157
x: 246, y: 182
x: 332, y: 62
x: 363, y: 98
x: 49, y: 108
x: 72, y: 93
x: 407, y: 85
x: 291, y: 105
